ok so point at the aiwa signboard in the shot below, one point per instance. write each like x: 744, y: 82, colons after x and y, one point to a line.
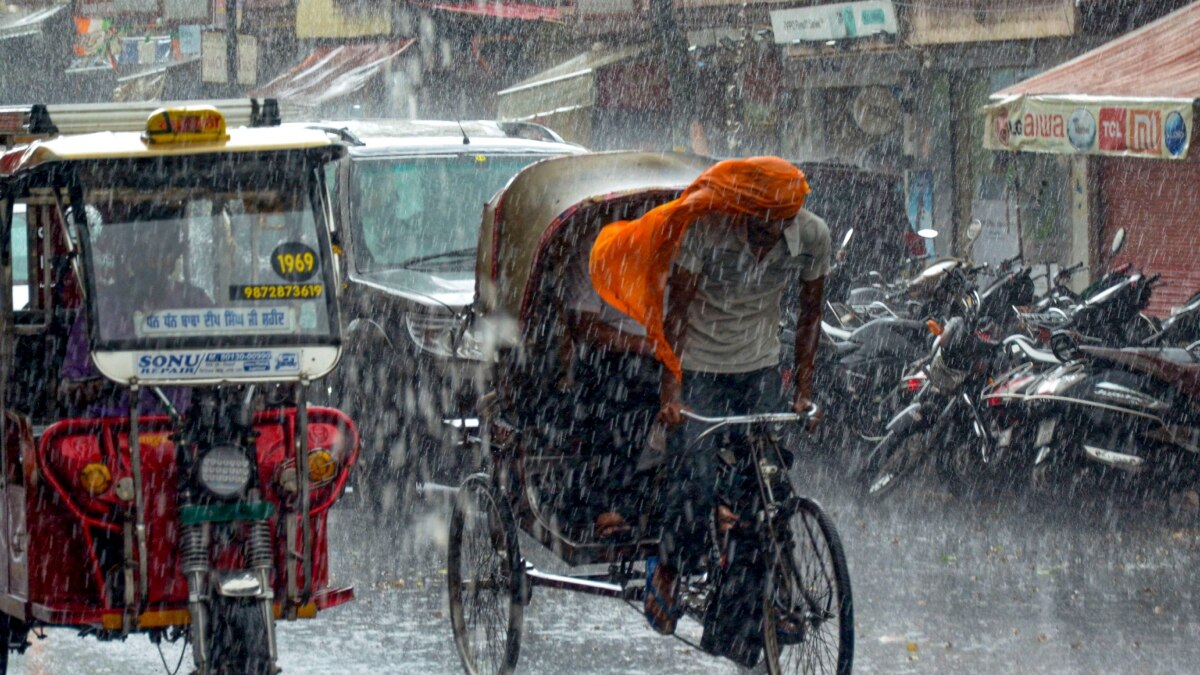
x: 834, y: 22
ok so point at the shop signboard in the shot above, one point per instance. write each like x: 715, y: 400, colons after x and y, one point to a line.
x: 587, y: 8
x: 1123, y: 127
x: 834, y: 21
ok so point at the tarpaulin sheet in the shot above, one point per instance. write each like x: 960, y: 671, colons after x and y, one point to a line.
x: 332, y: 72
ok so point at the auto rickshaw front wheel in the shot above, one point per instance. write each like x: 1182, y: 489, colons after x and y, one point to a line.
x: 238, y: 644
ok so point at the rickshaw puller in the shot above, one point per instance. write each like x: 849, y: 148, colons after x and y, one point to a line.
x: 741, y: 234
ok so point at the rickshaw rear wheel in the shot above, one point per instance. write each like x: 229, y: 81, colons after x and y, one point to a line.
x: 238, y: 645
x: 808, y: 607
x: 485, y: 577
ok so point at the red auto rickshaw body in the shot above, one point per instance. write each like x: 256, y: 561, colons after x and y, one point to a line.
x: 69, y: 572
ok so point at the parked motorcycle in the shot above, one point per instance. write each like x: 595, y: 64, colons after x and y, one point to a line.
x: 1134, y: 410
x: 947, y: 420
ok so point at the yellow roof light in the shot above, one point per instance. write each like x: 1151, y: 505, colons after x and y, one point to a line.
x: 192, y: 124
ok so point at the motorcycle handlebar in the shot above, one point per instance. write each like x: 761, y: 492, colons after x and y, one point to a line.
x: 1004, y: 265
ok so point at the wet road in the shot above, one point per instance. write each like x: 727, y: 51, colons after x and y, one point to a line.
x: 941, y: 586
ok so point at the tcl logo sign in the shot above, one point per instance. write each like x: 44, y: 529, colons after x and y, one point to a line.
x: 1135, y: 131
x: 1112, y: 129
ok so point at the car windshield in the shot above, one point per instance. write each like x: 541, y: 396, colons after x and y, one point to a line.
x: 223, y: 250
x: 424, y: 212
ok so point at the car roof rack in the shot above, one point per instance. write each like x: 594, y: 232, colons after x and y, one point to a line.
x: 22, y: 124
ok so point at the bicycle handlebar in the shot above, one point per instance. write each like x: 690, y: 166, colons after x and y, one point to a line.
x: 758, y: 418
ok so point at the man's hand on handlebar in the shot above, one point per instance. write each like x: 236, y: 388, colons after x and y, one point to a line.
x: 813, y: 414
x: 671, y: 413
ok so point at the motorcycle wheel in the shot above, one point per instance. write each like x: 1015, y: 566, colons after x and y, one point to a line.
x: 956, y: 467
x: 238, y: 645
x: 809, y: 579
x: 899, y: 455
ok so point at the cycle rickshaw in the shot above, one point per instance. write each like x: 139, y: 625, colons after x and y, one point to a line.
x: 183, y: 286
x: 542, y: 218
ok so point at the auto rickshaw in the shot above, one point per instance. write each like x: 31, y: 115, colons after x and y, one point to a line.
x: 181, y: 293
x: 535, y: 466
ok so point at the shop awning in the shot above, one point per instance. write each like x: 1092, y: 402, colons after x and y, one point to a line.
x: 565, y: 88
x: 332, y: 72
x: 151, y: 84
x: 516, y: 11
x: 21, y: 24
x: 1133, y: 96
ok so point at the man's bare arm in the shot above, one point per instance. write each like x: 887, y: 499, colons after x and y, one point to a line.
x: 681, y: 289
x: 808, y: 335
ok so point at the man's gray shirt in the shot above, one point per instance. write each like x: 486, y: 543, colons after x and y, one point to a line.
x: 733, y: 322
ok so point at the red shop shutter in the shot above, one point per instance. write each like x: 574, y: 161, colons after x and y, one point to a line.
x: 1158, y: 203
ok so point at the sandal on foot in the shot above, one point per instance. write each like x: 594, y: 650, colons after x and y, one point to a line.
x: 727, y: 519
x: 790, y: 628
x: 662, y: 615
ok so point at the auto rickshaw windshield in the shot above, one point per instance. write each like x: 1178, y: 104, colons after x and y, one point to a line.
x: 230, y: 250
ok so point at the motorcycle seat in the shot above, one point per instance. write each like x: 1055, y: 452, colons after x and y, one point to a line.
x: 1031, y: 352
x: 836, y: 334
x: 1174, y: 366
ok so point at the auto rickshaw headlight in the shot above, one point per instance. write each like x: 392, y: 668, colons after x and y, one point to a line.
x: 225, y: 471
x: 95, y: 479
x: 322, y: 467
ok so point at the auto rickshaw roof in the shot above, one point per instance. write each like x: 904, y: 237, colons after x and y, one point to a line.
x: 132, y: 145
x: 516, y: 221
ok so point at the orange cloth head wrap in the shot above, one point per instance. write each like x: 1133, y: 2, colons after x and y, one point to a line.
x: 631, y: 259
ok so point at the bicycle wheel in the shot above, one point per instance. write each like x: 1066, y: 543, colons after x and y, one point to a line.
x: 485, y: 578
x: 808, y: 608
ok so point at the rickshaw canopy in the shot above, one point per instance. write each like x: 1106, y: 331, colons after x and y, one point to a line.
x: 519, y: 220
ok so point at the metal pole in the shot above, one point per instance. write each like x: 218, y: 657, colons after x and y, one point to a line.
x: 302, y: 482
x: 680, y: 76
x: 231, y: 46
x: 139, y: 497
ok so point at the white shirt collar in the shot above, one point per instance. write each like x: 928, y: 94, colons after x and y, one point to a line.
x: 791, y: 235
